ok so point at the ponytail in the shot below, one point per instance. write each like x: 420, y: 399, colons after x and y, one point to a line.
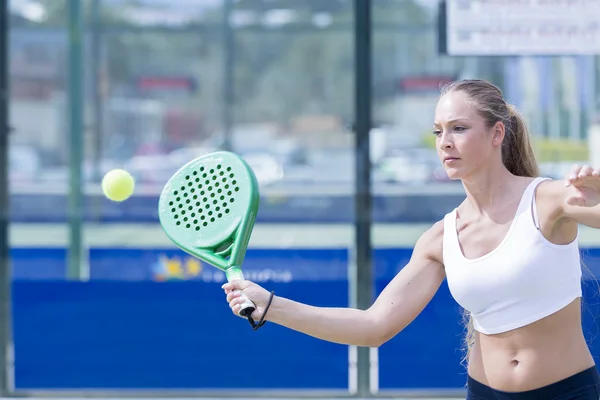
x: 517, y: 153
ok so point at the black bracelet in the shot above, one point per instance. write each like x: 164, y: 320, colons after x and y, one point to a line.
x: 262, y: 321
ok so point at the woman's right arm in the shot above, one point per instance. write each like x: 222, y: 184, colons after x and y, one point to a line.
x: 396, y: 307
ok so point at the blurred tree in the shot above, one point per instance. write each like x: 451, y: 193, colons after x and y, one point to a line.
x: 303, y: 66
x: 283, y: 75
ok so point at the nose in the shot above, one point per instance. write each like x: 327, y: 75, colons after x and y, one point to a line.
x: 445, y: 141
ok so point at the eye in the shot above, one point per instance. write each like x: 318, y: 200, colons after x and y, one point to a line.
x: 459, y: 128
x: 437, y: 132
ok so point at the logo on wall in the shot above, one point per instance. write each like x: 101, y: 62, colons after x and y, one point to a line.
x: 182, y: 268
x: 176, y: 268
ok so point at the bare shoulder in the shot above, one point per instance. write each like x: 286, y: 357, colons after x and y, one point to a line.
x: 550, y: 189
x: 558, y: 222
x: 550, y: 196
x: 562, y: 215
x: 431, y: 243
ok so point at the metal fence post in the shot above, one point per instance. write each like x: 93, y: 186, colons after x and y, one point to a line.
x: 75, y: 113
x: 5, y: 276
x: 362, y: 112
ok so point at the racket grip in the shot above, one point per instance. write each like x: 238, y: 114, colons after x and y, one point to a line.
x: 247, y: 307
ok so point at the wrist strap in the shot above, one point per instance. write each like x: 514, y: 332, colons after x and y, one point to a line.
x: 255, y: 326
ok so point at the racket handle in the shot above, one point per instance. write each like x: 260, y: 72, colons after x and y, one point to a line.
x: 247, y: 307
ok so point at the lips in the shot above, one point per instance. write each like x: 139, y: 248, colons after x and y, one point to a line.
x: 449, y: 159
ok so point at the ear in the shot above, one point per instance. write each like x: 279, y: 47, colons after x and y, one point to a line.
x: 498, y: 133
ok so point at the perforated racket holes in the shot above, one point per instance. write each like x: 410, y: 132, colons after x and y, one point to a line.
x: 204, y: 197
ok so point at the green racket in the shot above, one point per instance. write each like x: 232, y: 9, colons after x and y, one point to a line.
x: 208, y: 209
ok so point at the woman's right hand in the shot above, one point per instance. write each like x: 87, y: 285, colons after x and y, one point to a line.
x: 257, y: 294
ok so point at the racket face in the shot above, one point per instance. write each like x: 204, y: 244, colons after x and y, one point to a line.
x: 206, y: 203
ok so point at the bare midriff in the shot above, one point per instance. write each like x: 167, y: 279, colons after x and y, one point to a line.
x: 533, y: 356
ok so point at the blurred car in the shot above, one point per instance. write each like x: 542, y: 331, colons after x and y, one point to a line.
x: 266, y: 167
x: 411, y: 166
x: 24, y: 164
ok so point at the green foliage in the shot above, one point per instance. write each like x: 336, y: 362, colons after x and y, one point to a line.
x: 549, y: 150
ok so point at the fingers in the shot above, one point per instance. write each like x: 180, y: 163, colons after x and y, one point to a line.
x: 581, y: 172
x: 233, y: 292
x: 236, y: 284
x: 236, y: 309
x: 585, y: 171
x: 575, y: 201
x: 236, y: 304
x: 233, y: 295
x: 573, y: 174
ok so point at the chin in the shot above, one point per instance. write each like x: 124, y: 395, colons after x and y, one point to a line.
x: 454, y: 174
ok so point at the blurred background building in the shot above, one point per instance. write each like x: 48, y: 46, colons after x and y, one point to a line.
x: 164, y: 81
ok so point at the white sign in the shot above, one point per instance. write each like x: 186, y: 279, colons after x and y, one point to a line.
x: 523, y: 27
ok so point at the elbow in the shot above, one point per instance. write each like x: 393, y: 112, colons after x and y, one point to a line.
x: 382, y: 331
x: 375, y: 343
x: 381, y: 338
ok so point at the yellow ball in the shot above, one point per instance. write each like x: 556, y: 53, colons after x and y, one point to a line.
x: 118, y: 185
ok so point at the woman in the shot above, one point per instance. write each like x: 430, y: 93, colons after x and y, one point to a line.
x: 509, y: 252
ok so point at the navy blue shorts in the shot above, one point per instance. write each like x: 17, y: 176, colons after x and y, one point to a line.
x: 584, y: 385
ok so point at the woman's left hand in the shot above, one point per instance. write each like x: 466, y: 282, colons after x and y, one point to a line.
x: 585, y: 181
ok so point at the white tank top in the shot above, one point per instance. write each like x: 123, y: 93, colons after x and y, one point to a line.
x: 524, y: 279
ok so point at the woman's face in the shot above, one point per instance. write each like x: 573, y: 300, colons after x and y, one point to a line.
x: 464, y: 142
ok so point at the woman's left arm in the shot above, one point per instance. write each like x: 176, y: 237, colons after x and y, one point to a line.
x: 578, y: 198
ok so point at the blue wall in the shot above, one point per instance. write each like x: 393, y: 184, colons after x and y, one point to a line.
x: 134, y: 326
x: 164, y: 335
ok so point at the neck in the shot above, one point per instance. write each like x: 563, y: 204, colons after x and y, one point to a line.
x: 484, y: 190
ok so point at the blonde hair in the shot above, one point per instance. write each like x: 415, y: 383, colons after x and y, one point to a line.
x: 517, y: 153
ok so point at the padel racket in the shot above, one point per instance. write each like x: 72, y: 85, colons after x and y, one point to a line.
x: 208, y: 209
